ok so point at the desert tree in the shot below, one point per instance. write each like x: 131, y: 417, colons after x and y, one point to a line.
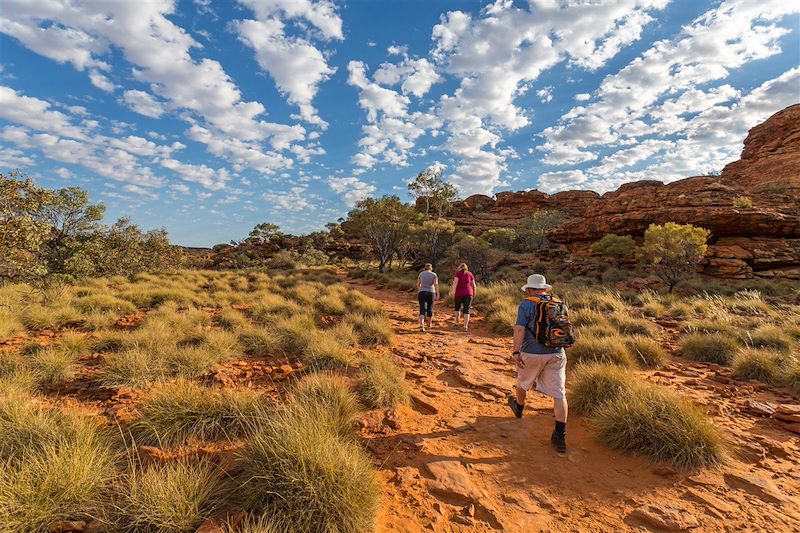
x: 264, y: 232
x: 434, y: 236
x: 672, y: 250
x: 437, y: 194
x: 620, y: 248
x: 22, y: 231
x: 532, y: 232
x: 384, y: 223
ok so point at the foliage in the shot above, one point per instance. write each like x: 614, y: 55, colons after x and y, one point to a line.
x: 263, y: 232
x: 503, y: 238
x: 384, y: 223
x: 478, y: 254
x: 597, y: 383
x: 22, y: 231
x: 673, y: 250
x: 742, y: 202
x: 436, y: 193
x: 620, y: 248
x: 709, y: 348
x: 532, y: 233
x: 384, y: 383
x: 435, y: 236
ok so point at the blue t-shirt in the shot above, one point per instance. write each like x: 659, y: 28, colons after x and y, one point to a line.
x: 525, y: 316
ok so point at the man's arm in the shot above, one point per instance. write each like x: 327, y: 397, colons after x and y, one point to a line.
x: 519, y: 336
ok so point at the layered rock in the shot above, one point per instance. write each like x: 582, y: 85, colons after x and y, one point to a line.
x: 763, y: 240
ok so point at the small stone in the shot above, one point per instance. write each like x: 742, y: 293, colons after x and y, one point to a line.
x: 286, y: 369
x: 759, y: 408
x: 405, y: 475
x: 671, y: 517
x: 450, y: 478
x: 151, y: 453
x: 711, y: 500
x: 418, y: 401
x: 392, y: 419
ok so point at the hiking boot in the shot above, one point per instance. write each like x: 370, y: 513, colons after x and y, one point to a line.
x: 515, y: 407
x: 559, y: 442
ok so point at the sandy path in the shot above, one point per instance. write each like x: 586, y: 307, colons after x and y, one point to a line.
x: 468, y: 465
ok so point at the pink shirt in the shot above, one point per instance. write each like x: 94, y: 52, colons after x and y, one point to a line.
x: 464, y: 287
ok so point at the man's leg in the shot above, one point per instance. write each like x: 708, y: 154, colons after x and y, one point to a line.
x: 554, y: 378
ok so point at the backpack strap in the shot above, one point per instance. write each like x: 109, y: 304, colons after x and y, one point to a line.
x: 536, y: 312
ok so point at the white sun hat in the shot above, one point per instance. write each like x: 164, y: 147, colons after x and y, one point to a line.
x: 536, y: 281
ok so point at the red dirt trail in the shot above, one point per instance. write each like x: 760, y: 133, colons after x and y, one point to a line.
x: 456, y: 460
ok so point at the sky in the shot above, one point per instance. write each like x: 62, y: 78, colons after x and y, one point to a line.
x: 209, y: 117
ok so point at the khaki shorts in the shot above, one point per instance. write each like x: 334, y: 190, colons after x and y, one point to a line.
x: 546, y: 372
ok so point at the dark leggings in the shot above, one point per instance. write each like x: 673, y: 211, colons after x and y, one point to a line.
x: 425, y: 303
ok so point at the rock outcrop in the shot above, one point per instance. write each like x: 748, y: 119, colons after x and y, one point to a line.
x: 762, y: 240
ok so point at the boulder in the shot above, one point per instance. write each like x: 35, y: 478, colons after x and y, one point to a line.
x: 450, y: 478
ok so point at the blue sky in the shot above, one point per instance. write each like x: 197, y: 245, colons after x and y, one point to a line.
x: 208, y: 117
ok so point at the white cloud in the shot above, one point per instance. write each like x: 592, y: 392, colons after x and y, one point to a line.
x: 297, y: 66
x: 100, y: 81
x: 351, y: 189
x: 294, y: 200
x: 582, y: 97
x: 415, y: 76
x: 545, y: 94
x: 36, y: 114
x: 213, y: 179
x: 143, y: 103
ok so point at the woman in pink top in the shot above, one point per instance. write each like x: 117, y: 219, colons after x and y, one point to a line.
x: 463, y: 292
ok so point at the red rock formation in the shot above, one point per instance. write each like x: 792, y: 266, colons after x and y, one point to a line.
x: 763, y: 240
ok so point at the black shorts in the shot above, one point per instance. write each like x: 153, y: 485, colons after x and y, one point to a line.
x: 463, y: 303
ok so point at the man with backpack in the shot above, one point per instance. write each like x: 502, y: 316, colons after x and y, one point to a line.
x: 541, y: 333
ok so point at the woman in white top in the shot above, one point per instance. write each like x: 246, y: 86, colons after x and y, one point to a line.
x: 427, y: 291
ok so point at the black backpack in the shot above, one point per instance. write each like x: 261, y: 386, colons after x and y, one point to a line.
x: 551, y: 325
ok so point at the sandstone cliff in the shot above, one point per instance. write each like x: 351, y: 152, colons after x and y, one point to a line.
x: 763, y: 240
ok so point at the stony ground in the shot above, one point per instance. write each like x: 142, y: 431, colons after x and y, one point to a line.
x: 456, y: 460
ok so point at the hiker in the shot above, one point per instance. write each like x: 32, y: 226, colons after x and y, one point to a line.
x: 428, y: 290
x: 463, y: 292
x: 541, y: 332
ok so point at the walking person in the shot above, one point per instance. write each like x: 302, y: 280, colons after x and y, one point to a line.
x: 541, y: 332
x: 427, y: 292
x: 463, y: 293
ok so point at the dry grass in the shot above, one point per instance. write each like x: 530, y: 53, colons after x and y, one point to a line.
x: 771, y: 337
x: 105, y: 303
x: 372, y: 330
x: 646, y: 351
x: 628, y: 325
x: 259, y: 342
x: 307, y: 475
x: 172, y: 497
x: 54, y: 465
x: 295, y: 332
x: 330, y: 398
x: 10, y: 325
x: 590, y: 349
x: 37, y: 317
x: 761, y: 365
x: 596, y: 383
x: 325, y: 351
x: 53, y: 366
x: 232, y: 320
x: 383, y: 384
x: 655, y: 422
x: 709, y: 348
x: 182, y: 412
x: 501, y: 315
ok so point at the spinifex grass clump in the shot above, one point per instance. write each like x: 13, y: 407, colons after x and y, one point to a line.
x: 172, y: 497
x: 609, y: 349
x: 330, y: 397
x: 53, y: 366
x: 326, y: 351
x: 596, y: 383
x: 383, y: 384
x: 646, y: 351
x: 174, y: 414
x: 709, y: 348
x: 372, y: 330
x: 654, y: 422
x: 772, y: 337
x: 301, y: 470
x: 761, y: 365
x: 55, y: 466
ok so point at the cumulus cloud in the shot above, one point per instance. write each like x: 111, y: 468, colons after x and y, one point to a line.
x: 295, y: 63
x: 351, y: 189
x: 143, y: 103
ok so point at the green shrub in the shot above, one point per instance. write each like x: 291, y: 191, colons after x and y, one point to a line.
x: 590, y: 349
x: 384, y: 383
x: 650, y: 421
x: 174, y: 414
x: 173, y: 497
x: 596, y: 383
x: 711, y: 348
x: 742, y: 202
x: 646, y: 351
